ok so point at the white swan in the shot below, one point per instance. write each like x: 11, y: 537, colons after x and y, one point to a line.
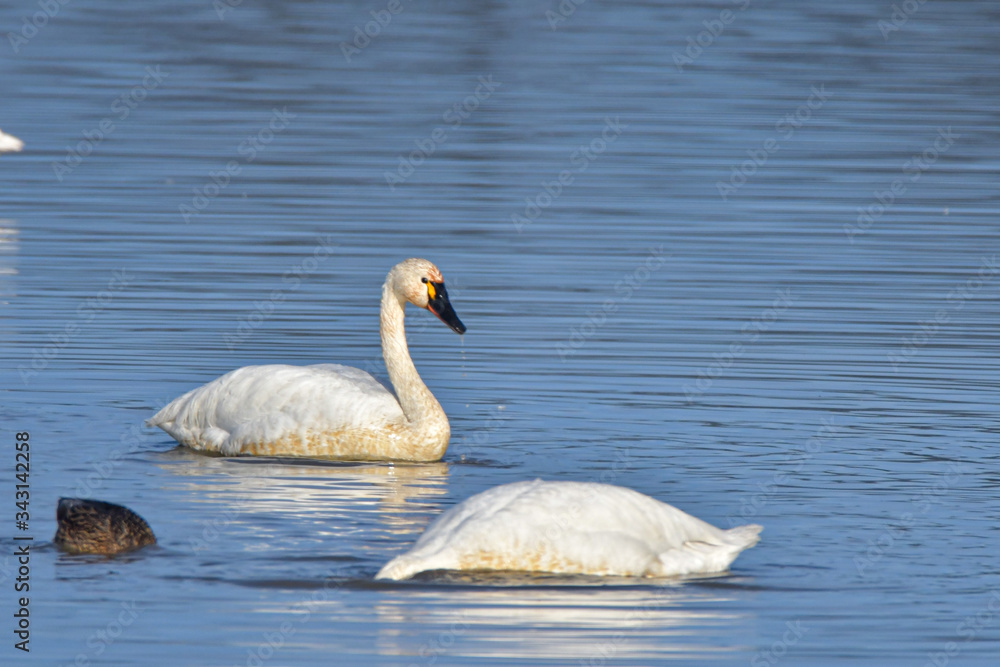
x: 327, y: 410
x: 573, y: 528
x: 9, y: 143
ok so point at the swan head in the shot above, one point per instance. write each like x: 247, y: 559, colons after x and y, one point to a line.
x: 421, y: 283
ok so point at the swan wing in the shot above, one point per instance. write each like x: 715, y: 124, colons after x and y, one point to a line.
x: 574, y: 527
x: 267, y: 403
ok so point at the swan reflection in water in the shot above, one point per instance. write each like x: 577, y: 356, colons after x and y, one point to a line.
x: 311, y: 491
x: 555, y: 619
x: 9, y: 247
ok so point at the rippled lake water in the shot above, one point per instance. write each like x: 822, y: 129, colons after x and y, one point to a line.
x: 741, y: 257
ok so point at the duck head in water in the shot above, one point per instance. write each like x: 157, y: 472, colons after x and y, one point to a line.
x: 97, y: 527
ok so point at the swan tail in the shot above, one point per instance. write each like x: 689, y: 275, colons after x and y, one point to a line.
x: 708, y: 556
x: 743, y: 537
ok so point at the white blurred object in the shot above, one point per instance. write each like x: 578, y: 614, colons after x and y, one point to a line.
x: 9, y: 144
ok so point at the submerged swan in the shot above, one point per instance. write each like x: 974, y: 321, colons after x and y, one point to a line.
x: 572, y: 528
x: 9, y: 143
x: 96, y: 527
x: 328, y: 410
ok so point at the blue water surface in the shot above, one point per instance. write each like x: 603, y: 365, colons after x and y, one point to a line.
x: 741, y: 257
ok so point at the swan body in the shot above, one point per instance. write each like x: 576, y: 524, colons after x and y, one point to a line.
x: 97, y: 527
x: 327, y: 410
x: 9, y: 143
x: 572, y: 528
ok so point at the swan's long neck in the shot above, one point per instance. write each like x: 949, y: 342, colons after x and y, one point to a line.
x: 424, y: 414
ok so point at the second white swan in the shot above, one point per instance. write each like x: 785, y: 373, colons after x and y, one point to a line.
x: 328, y: 410
x: 571, y: 528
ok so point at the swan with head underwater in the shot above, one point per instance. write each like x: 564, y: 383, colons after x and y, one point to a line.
x: 328, y: 410
x: 571, y: 528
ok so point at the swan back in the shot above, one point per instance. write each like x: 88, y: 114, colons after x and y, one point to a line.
x: 275, y: 404
x: 571, y: 527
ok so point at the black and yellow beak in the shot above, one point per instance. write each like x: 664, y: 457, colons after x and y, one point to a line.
x: 437, y: 303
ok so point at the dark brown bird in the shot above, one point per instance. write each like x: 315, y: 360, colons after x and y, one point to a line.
x: 97, y: 527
